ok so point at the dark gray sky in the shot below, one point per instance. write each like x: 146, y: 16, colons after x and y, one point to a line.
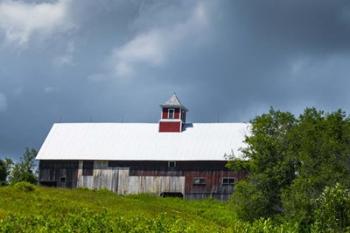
x: 112, y: 61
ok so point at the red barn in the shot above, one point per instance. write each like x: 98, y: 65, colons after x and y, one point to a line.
x: 171, y: 157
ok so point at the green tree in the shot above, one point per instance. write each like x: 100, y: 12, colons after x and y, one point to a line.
x: 322, y: 146
x: 3, y: 172
x: 5, y: 166
x: 271, y: 167
x: 24, y: 170
x: 290, y: 162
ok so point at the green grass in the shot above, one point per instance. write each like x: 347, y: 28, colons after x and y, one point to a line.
x: 81, y: 210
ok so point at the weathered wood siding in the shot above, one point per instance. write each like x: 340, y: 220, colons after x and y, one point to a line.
x: 164, y: 165
x: 156, y: 184
x: 117, y: 179
x: 58, y: 173
x: 132, y: 177
x: 101, y: 179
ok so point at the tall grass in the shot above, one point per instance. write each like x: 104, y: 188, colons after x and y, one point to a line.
x: 78, y: 210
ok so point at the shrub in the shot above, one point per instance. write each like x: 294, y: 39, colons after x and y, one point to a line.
x: 248, y: 202
x: 24, y: 186
x: 332, y: 213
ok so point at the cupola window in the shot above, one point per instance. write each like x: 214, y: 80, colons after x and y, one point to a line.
x: 171, y: 113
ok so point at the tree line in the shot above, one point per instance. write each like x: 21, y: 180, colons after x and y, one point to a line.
x: 22, y: 171
x: 299, y: 170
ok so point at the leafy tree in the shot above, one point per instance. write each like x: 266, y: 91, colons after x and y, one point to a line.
x: 3, y: 172
x: 5, y: 166
x: 290, y: 162
x: 24, y: 170
x: 271, y: 166
x: 322, y: 146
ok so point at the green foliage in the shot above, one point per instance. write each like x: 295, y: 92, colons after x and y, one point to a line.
x: 5, y: 166
x: 3, y: 172
x: 321, y: 143
x: 238, y: 165
x: 291, y: 161
x: 24, y: 186
x: 89, y: 221
x: 24, y: 170
x: 333, y: 210
x: 249, y: 203
x: 78, y: 210
x: 270, y: 164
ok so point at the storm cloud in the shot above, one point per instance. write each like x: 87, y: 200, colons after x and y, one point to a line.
x: 116, y: 61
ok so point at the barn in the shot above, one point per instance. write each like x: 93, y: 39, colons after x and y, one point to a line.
x: 168, y: 158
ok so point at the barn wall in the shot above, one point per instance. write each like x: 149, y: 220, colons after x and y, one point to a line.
x: 132, y: 177
x: 58, y: 173
x: 163, y: 165
x: 123, y: 185
x: 117, y: 179
x: 213, y: 186
x: 156, y: 184
x: 103, y: 177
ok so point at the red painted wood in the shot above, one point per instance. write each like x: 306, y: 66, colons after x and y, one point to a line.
x: 213, y: 180
x: 177, y: 113
x: 169, y: 126
x: 165, y: 113
x: 183, y: 116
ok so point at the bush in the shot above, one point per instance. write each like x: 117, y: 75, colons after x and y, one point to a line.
x: 24, y: 186
x: 248, y: 202
x: 332, y: 213
x: 90, y: 221
x: 299, y: 203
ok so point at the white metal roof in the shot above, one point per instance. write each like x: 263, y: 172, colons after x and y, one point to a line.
x: 142, y: 141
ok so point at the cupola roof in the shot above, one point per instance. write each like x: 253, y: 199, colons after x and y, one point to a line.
x: 174, y: 101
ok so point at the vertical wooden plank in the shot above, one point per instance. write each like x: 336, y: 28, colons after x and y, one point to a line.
x: 123, y: 181
x: 80, y: 173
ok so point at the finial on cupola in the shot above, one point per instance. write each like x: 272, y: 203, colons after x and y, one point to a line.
x: 173, y: 115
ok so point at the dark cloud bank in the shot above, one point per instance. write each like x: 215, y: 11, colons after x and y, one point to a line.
x: 226, y: 60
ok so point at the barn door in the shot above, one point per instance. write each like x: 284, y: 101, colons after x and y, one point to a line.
x: 62, y: 179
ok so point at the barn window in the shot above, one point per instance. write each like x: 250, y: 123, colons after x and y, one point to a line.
x: 198, y: 181
x: 172, y: 164
x: 171, y: 113
x: 228, y: 180
x: 88, y: 167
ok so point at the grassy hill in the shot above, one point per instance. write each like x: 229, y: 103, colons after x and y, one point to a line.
x: 79, y: 210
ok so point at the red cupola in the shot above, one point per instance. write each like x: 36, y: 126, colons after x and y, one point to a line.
x: 173, y: 115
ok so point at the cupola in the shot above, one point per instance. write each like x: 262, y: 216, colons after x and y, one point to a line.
x: 173, y: 116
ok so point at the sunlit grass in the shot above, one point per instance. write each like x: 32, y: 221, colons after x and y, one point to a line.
x: 82, y: 210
